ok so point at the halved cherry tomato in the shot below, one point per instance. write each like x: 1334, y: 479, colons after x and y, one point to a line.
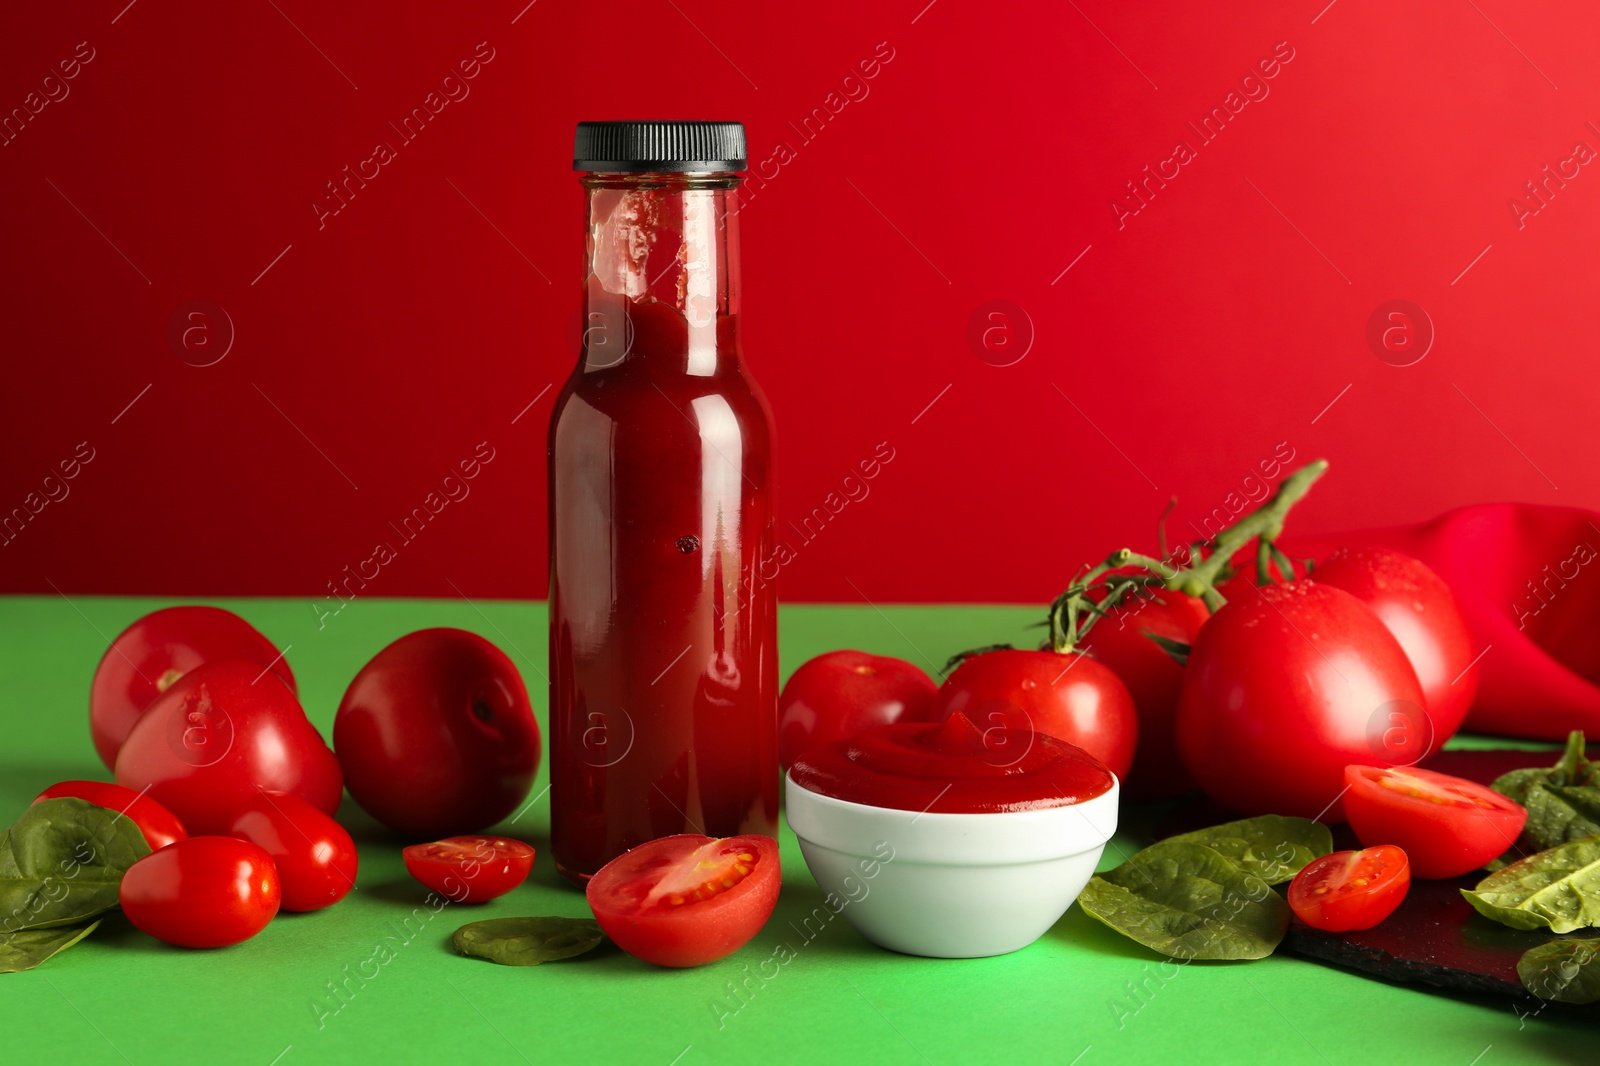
x: 204, y: 892
x: 1447, y: 825
x: 687, y: 900
x: 315, y: 856
x: 159, y: 825
x: 1350, y: 889
x: 472, y: 869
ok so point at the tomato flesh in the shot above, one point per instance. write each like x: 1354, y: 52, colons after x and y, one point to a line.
x: 1351, y: 889
x: 159, y: 825
x: 1447, y: 825
x: 470, y: 869
x: 687, y: 900
x: 204, y: 892
x: 315, y: 857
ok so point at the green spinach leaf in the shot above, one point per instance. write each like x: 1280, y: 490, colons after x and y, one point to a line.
x: 1565, y: 970
x: 528, y: 941
x: 61, y: 863
x: 1188, y: 902
x: 1557, y: 889
x: 1573, y: 768
x: 1272, y: 847
x: 27, y: 948
x: 1558, y: 814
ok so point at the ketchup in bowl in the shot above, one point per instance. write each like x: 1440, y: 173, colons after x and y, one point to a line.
x: 953, y: 767
x: 947, y: 840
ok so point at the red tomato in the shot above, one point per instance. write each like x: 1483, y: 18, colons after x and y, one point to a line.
x: 159, y: 825
x: 1419, y: 609
x: 436, y: 734
x: 1447, y: 825
x: 315, y: 857
x: 1350, y: 889
x: 687, y: 900
x: 837, y: 695
x: 1070, y: 697
x: 204, y: 892
x: 219, y: 737
x: 1283, y: 692
x: 148, y: 656
x: 470, y: 869
x: 1154, y: 680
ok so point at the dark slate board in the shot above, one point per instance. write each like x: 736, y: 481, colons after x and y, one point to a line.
x: 1435, y: 938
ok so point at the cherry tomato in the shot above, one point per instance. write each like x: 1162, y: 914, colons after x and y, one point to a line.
x: 315, y: 857
x: 204, y: 892
x: 220, y: 736
x: 687, y: 900
x: 838, y: 694
x: 1284, y: 691
x: 1154, y: 680
x: 1447, y: 825
x: 436, y: 734
x: 471, y: 869
x: 1070, y: 697
x: 159, y: 825
x: 1350, y: 889
x: 151, y: 654
x: 1419, y: 609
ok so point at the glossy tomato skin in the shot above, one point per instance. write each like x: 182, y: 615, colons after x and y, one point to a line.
x: 1350, y: 889
x: 1154, y: 680
x: 1070, y: 697
x: 152, y: 653
x: 687, y: 900
x: 204, y: 892
x: 470, y: 869
x: 838, y: 694
x: 1417, y: 607
x: 314, y: 855
x: 159, y: 825
x: 220, y: 736
x: 1283, y: 692
x: 1447, y: 825
x: 437, y: 735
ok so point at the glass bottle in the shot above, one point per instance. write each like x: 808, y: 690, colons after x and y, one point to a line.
x: 663, y: 627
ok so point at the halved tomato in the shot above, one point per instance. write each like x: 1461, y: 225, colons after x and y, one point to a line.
x: 687, y: 900
x: 1447, y: 825
x: 1350, y: 889
x: 472, y: 869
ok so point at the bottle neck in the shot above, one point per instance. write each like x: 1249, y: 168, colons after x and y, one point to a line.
x: 662, y: 278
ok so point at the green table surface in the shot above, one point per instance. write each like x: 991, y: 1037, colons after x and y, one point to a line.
x: 1081, y: 994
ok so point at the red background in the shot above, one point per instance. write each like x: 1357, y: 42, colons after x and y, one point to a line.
x: 1178, y: 351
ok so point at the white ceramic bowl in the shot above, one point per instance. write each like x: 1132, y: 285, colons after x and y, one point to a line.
x: 952, y: 886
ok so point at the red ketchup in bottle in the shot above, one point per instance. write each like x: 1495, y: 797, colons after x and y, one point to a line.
x: 663, y: 632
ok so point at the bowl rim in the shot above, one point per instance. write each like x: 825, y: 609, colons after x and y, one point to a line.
x: 952, y: 839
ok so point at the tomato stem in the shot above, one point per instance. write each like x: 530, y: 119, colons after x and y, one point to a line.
x: 1209, y: 562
